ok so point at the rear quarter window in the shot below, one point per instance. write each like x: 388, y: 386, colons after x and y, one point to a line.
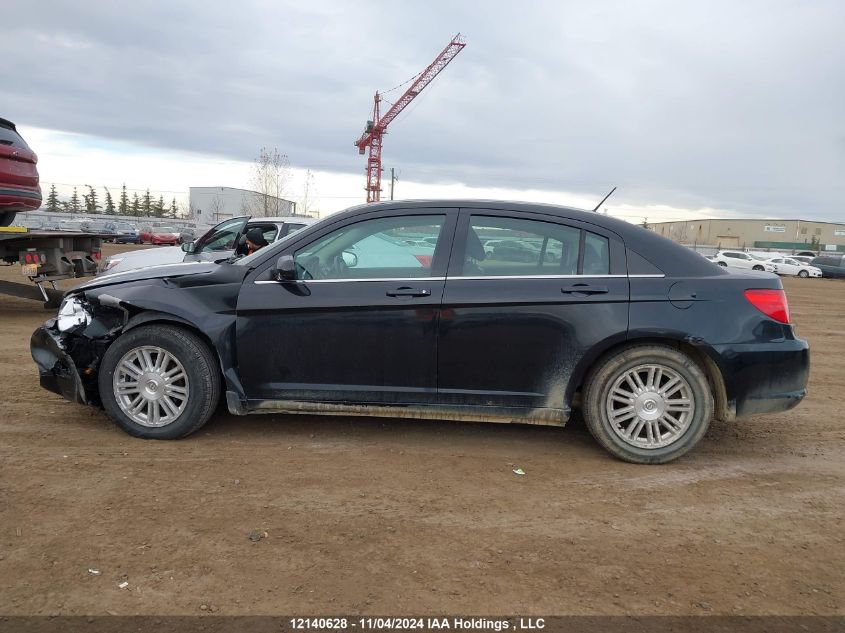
x: 10, y: 137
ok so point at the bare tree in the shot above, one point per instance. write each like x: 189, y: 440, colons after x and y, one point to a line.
x: 309, y: 194
x: 215, y: 208
x: 270, y: 177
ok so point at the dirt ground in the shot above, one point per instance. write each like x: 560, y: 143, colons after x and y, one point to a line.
x: 407, y: 517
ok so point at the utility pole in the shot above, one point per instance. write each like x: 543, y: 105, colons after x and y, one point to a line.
x: 393, y: 179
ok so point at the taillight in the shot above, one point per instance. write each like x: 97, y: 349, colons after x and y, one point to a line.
x: 770, y: 302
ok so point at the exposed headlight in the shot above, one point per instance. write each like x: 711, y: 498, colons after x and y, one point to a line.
x: 72, y: 314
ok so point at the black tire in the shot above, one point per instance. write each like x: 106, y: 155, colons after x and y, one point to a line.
x: 723, y: 264
x: 803, y: 274
x: 200, y: 365
x: 758, y: 268
x: 600, y: 383
x: 7, y: 217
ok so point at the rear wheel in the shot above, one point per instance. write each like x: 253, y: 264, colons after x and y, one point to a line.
x: 758, y: 267
x: 159, y: 382
x: 803, y: 273
x: 648, y: 404
x: 723, y: 264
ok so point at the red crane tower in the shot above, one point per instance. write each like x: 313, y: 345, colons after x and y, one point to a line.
x: 377, y: 127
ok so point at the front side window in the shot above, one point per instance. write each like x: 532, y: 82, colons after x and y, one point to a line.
x: 383, y: 248
x: 221, y: 237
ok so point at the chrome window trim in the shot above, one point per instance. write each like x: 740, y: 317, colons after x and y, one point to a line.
x: 360, y: 279
x: 463, y: 278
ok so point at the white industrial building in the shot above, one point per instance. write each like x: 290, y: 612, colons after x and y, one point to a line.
x: 210, y: 205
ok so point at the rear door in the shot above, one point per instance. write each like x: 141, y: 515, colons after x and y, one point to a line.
x: 513, y: 328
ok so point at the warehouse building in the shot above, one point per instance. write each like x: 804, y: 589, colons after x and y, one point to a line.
x: 210, y: 205
x: 786, y: 235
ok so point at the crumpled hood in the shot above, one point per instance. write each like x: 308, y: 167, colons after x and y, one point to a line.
x: 150, y: 272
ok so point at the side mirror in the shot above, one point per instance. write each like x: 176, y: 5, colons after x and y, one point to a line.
x: 188, y: 247
x: 285, y: 268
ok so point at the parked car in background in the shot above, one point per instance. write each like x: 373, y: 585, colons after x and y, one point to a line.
x: 806, y: 254
x: 831, y: 265
x: 158, y: 235
x: 804, y: 259
x: 187, y: 234
x: 19, y: 187
x: 124, y: 232
x: 647, y: 338
x: 739, y: 259
x: 219, y: 242
x: 792, y: 267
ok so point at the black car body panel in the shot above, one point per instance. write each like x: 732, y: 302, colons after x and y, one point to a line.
x: 465, y: 346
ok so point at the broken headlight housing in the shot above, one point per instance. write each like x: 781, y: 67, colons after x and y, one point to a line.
x: 72, y: 313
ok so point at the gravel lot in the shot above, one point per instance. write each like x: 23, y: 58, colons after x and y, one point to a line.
x: 398, y: 516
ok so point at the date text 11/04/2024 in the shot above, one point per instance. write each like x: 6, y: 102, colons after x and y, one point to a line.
x: 418, y: 624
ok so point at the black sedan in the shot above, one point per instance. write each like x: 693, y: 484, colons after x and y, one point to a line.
x: 348, y: 317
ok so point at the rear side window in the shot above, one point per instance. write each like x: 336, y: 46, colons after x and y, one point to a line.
x: 10, y: 137
x: 596, y: 255
x: 512, y: 247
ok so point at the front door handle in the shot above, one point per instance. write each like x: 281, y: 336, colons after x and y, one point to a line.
x: 407, y: 291
x: 584, y: 289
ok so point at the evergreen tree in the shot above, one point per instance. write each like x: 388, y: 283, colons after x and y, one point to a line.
x: 108, y: 205
x: 159, y: 207
x: 174, y: 210
x: 136, y: 205
x: 645, y: 224
x: 74, y: 202
x: 91, y: 205
x: 147, y: 203
x: 123, y: 205
x: 53, y: 200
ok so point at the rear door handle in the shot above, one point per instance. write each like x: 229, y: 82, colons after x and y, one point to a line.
x: 584, y: 289
x: 407, y: 291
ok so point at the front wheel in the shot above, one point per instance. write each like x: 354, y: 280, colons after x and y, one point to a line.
x: 648, y: 404
x: 159, y: 382
x: 722, y: 264
x: 758, y: 268
x: 803, y: 273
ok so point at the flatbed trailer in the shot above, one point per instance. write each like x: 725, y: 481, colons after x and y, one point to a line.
x: 47, y: 257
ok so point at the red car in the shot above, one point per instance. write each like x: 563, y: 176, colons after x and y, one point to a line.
x: 159, y: 235
x: 19, y: 188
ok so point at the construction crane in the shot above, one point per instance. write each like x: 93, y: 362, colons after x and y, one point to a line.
x: 376, y: 127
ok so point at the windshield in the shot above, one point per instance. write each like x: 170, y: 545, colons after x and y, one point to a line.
x: 758, y: 257
x: 165, y: 229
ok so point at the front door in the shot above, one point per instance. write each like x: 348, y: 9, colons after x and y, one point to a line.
x: 360, y: 322
x: 527, y: 296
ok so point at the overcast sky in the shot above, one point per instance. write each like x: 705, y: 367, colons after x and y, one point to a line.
x: 719, y: 105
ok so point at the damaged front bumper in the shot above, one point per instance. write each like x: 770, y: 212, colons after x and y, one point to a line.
x: 56, y: 369
x: 68, y: 361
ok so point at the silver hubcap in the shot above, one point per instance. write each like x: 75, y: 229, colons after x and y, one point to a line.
x: 650, y: 406
x: 151, y: 386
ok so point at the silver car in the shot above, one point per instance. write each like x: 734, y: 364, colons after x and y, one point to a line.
x: 218, y: 243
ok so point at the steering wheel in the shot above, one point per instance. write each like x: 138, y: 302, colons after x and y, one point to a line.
x: 336, y: 268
